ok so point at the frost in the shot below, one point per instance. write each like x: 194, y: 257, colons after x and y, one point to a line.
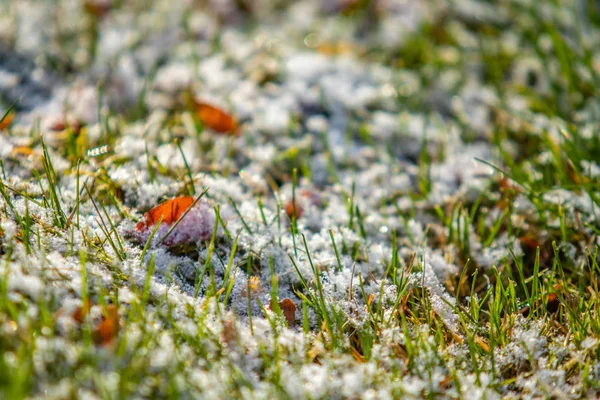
x: 173, y: 77
x: 32, y: 286
x: 441, y: 301
x: 383, y: 143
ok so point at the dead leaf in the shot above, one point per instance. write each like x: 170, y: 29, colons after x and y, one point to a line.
x: 215, y: 118
x: 289, y: 209
x: 80, y: 313
x: 7, y: 121
x: 356, y: 354
x: 552, y: 304
x: 229, y: 334
x: 370, y: 300
x: 288, y: 308
x: 170, y: 211
x: 106, y: 331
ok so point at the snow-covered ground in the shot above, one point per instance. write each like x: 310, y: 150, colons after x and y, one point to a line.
x: 396, y: 165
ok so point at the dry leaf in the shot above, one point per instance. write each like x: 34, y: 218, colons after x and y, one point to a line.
x: 80, y: 313
x: 370, y: 300
x: 229, y: 334
x: 482, y: 343
x: 7, y: 121
x: 108, y: 328
x: 215, y: 118
x: 529, y: 241
x: 289, y: 209
x: 288, y: 308
x: 356, y: 354
x: 170, y: 211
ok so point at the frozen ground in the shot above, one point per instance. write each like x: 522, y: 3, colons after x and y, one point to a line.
x: 420, y: 178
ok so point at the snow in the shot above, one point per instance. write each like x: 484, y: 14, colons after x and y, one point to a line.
x: 342, y: 120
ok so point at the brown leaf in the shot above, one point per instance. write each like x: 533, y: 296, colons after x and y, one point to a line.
x: 553, y: 303
x: 108, y: 328
x: 215, y: 118
x: 289, y: 209
x: 80, y: 313
x: 288, y: 308
x: 529, y: 242
x: 7, y: 121
x: 229, y: 334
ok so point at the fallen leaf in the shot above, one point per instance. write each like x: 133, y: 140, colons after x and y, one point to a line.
x: 170, y: 211
x: 7, y: 121
x: 445, y: 383
x: 229, y: 334
x: 288, y: 308
x: 80, y: 313
x: 552, y: 303
x: 289, y: 209
x: 108, y: 328
x: 215, y: 118
x: 315, y: 351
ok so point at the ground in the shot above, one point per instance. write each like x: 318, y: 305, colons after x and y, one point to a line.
x: 373, y: 199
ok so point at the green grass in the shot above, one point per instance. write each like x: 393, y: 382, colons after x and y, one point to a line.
x: 542, y: 302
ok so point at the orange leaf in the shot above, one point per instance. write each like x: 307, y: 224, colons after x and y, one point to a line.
x: 80, y: 313
x: 370, y: 299
x: 553, y: 303
x: 288, y: 308
x: 289, y: 209
x: 215, y: 118
x: 7, y: 121
x: 170, y: 211
x: 108, y: 328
